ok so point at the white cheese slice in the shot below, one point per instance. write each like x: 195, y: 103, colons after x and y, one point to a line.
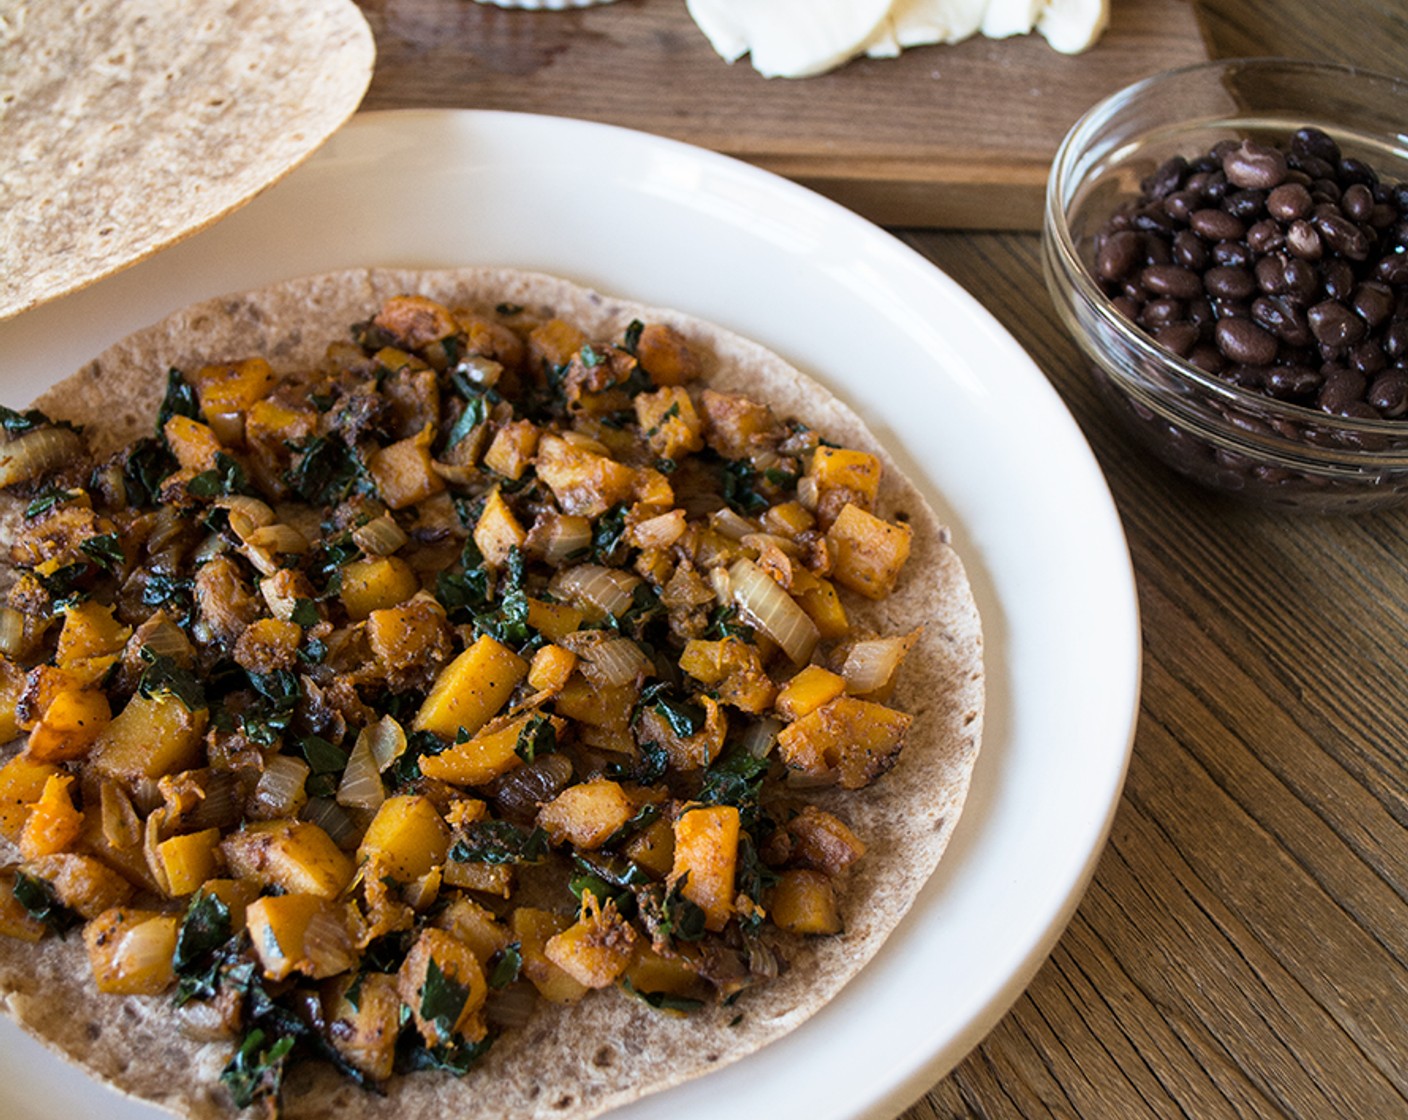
x: 1011, y: 17
x: 1072, y: 26
x: 790, y: 38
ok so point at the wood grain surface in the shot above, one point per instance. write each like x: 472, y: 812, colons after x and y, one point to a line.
x: 958, y: 136
x: 1243, y: 950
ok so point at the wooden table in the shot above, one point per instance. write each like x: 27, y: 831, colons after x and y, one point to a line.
x: 1243, y: 950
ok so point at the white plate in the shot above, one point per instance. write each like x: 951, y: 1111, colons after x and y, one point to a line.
x: 962, y: 406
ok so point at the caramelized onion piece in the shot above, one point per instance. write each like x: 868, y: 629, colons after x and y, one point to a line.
x: 608, y: 590
x: 871, y: 662
x: 36, y: 453
x: 765, y: 605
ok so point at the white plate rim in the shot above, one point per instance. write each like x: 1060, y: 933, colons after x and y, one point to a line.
x: 832, y: 254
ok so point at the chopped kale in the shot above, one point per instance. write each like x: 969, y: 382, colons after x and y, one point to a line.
x: 104, y: 550
x: 163, y: 676
x: 180, y: 400
x: 147, y: 464
x: 631, y: 339
x: 724, y: 623
x: 406, y: 768
x: 506, y: 965
x: 442, y: 999
x: 456, y: 1058
x: 40, y: 903
x: 49, y: 498
x: 326, y: 471
x: 497, y: 841
x: 266, y: 719
x: 609, y: 545
x: 305, y: 613
x: 537, y: 737
x: 256, y: 1072
x: 17, y: 423
x: 663, y: 1001
x: 226, y: 477
x: 646, y: 770
x: 684, y: 716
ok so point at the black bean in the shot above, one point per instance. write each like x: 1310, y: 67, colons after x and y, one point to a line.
x: 1156, y: 250
x: 1226, y: 282
x: 1245, y: 343
x: 1231, y: 309
x: 1171, y: 280
x: 1201, y: 315
x: 1153, y: 219
x: 1325, y: 190
x: 1383, y: 215
x: 1247, y: 205
x: 1282, y: 319
x: 1127, y: 306
x: 1373, y: 302
x: 1271, y: 274
x: 1303, y: 240
x: 1118, y: 256
x: 1266, y: 236
x: 1342, y: 387
x: 1357, y: 171
x: 1315, y: 143
x: 1216, y: 225
x: 1189, y: 250
x: 1389, y: 394
x: 1367, y: 357
x: 1393, y: 269
x: 1232, y: 253
x: 1290, y: 382
x: 1245, y: 377
x: 1342, y: 235
x: 1302, y: 281
x: 1288, y: 202
x: 1357, y: 202
x: 1396, y: 339
x: 1167, y: 179
x: 1254, y: 166
x: 1207, y: 358
x: 1182, y: 203
x: 1178, y: 337
x: 1335, y: 325
x: 1337, y: 280
x: 1159, y: 311
x: 1312, y: 168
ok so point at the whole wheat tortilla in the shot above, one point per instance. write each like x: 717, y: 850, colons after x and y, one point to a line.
x: 578, y: 1061
x: 129, y: 124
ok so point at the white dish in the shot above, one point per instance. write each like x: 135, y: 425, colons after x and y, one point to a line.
x: 968, y: 415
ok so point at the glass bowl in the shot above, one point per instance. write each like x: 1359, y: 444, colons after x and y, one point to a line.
x: 1237, y: 440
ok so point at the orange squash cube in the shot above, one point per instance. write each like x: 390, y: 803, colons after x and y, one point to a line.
x: 706, y: 859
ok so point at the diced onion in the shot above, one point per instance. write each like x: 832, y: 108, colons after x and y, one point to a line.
x: 380, y: 536
x: 723, y: 585
x: 327, y: 946
x: 168, y: 527
x: 388, y: 741
x: 169, y: 640
x: 609, y: 590
x: 220, y: 807
x: 37, y: 452
x: 615, y: 662
x: 265, y: 545
x: 512, y: 1006
x: 584, y: 442
x: 333, y: 819
x: 731, y: 524
x: 519, y: 792
x: 211, y: 547
x: 122, y: 828
x: 759, y: 738
x: 566, y: 536
x: 764, y: 541
x: 145, y: 950
x: 807, y: 492
x: 245, y: 513
x: 280, y: 790
x: 765, y: 605
x: 871, y: 663
x: 361, y: 786
x: 11, y: 632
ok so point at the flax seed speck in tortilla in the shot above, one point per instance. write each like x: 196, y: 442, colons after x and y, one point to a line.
x: 578, y: 1060
x: 128, y: 126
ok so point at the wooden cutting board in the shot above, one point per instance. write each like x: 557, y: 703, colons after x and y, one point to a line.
x: 944, y: 136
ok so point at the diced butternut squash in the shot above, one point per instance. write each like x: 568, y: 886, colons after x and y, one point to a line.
x: 669, y: 422
x: 551, y: 667
x: 189, y: 859
x: 89, y: 631
x: 130, y: 951
x: 653, y: 847
x: 54, y: 822
x: 804, y: 902
x: 232, y: 387
x: 554, y: 621
x: 867, y: 553
x: 667, y: 355
x: 297, y: 856
x: 485, y: 755
x: 652, y: 974
x: 733, y: 668
x: 12, y: 682
x: 408, y: 835
x: 487, y: 878
x: 15, y: 920
x: 364, y: 1029
x: 652, y: 488
x: 268, y: 644
x: 302, y: 933
x: 70, y: 725
x: 512, y: 449
x: 150, y: 737
x: 375, y: 584
x: 81, y: 883
x: 788, y: 519
x: 443, y: 984
x: 532, y: 929
x: 497, y: 532
x: 236, y: 894
x: 410, y: 639
x: 817, y: 596
x: 403, y: 471
x: 808, y: 691
x: 857, y: 740
x: 471, y: 689
x: 582, y: 481
x: 706, y: 859
x: 193, y: 443
x: 597, y: 948
x: 843, y: 476
x: 587, y: 814
x: 22, y: 782
x: 476, y: 926
x: 553, y: 343
x: 736, y: 426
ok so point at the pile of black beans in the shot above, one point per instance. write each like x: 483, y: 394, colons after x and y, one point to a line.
x: 1283, y: 270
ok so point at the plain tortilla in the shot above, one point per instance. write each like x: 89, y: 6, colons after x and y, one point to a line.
x: 129, y: 124
x: 568, y: 1062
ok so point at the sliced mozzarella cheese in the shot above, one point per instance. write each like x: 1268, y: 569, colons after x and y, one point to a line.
x: 1072, y: 26
x: 790, y: 38
x: 1011, y: 17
